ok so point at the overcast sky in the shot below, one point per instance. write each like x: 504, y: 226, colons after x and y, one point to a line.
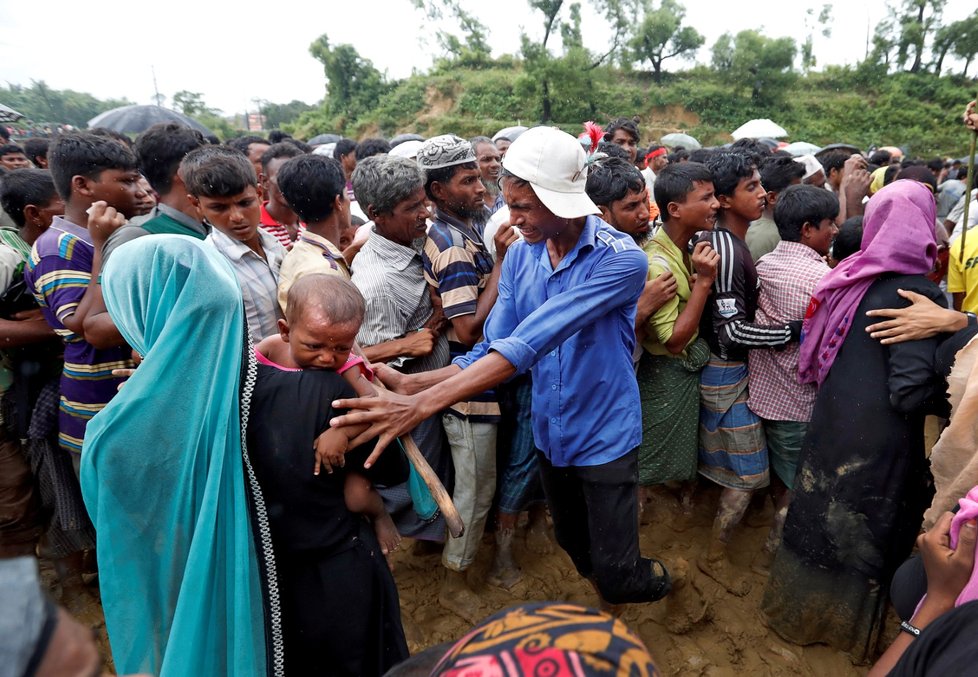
x: 236, y: 52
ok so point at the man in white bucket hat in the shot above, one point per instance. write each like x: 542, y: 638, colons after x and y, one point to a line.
x: 566, y: 310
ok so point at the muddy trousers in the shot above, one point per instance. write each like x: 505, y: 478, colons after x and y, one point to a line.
x: 20, y: 519
x: 595, y: 514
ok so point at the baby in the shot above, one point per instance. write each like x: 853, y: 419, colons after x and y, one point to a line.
x: 322, y: 317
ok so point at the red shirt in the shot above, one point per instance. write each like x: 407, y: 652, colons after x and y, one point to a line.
x: 277, y: 230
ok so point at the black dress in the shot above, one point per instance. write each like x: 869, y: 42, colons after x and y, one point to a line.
x: 862, y: 486
x: 341, y: 614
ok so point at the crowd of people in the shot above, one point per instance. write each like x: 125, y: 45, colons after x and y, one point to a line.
x: 236, y: 376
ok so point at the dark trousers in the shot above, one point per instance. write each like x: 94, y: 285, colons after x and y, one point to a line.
x: 20, y: 520
x: 595, y: 513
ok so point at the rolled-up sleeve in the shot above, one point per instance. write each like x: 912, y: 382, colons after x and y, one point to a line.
x: 617, y: 281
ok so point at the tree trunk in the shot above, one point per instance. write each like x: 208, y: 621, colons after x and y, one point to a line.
x: 546, y: 104
x: 657, y: 71
x: 940, y: 60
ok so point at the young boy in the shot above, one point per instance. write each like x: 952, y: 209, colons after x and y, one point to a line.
x: 669, y: 372
x: 777, y: 173
x: 277, y: 216
x: 223, y: 186
x: 326, y: 558
x: 96, y: 176
x: 805, y: 216
x: 13, y: 156
x: 314, y: 188
x: 733, y: 452
x: 322, y: 317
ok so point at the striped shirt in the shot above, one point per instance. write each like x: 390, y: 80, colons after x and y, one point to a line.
x: 391, y: 279
x: 727, y: 323
x: 457, y: 265
x: 58, y: 273
x: 788, y: 276
x: 258, y: 279
x: 276, y: 229
x: 11, y: 237
x: 310, y: 255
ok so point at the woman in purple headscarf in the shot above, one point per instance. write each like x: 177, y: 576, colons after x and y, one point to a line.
x: 863, y: 481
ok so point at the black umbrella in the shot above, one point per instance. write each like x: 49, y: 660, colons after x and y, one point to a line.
x: 9, y: 114
x: 323, y: 139
x: 136, y: 119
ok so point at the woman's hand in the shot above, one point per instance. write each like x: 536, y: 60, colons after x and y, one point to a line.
x: 948, y: 571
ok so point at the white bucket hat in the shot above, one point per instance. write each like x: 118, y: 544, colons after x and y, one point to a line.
x: 554, y: 164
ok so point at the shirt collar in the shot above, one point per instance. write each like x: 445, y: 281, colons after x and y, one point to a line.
x: 461, y: 226
x: 798, y: 249
x: 63, y: 224
x: 586, y: 239
x: 397, y: 255
x: 181, y: 218
x: 236, y: 249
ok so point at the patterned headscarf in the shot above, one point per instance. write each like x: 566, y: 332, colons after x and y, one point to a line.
x: 548, y: 638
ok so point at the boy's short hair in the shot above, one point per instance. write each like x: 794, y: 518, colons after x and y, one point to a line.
x: 798, y: 205
x: 675, y: 182
x: 880, y: 158
x: 728, y: 168
x: 310, y: 184
x: 626, y: 124
x: 611, y: 180
x: 10, y: 148
x: 384, y: 181
x: 701, y: 155
x: 22, y: 187
x: 335, y: 297
x: 370, y: 147
x: 36, y: 147
x: 160, y: 150
x: 217, y: 171
x: 920, y: 174
x: 849, y: 239
x: 613, y: 150
x: 277, y: 151
x: 84, y: 154
x: 301, y: 145
x: 242, y: 143
x: 678, y: 155
x: 277, y: 135
x: 111, y: 134
x: 344, y: 147
x: 756, y: 149
x: 835, y: 159
x: 777, y: 173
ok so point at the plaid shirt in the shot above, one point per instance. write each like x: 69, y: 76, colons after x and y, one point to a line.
x: 787, y: 277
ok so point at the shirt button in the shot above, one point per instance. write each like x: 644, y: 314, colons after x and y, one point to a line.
x: 553, y: 353
x: 553, y: 420
x: 553, y: 387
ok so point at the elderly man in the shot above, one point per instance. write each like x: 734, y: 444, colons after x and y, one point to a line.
x: 400, y: 326
x: 490, y: 164
x: 566, y: 310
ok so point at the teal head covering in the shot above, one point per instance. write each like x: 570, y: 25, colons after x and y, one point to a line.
x: 164, y: 476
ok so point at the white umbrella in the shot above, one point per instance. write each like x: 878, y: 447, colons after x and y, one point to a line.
x: 756, y: 129
x: 680, y: 139
x: 799, y: 148
x: 8, y: 114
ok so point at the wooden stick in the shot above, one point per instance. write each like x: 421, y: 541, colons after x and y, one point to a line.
x: 456, y: 527
x: 968, y: 188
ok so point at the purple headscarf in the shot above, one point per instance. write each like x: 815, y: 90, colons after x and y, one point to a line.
x: 898, y: 237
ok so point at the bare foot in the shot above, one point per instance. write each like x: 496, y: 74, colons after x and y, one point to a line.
x: 456, y: 596
x: 504, y: 573
x: 387, y: 535
x: 717, y: 566
x: 685, y: 605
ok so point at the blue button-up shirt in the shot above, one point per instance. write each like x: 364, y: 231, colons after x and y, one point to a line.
x: 575, y: 326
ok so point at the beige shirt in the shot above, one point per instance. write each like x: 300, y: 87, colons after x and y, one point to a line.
x: 311, y: 254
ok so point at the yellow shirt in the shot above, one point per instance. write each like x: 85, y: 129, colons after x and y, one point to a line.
x: 310, y: 254
x: 964, y: 277
x: 665, y: 255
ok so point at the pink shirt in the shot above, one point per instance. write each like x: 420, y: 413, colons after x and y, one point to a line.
x: 786, y: 277
x: 351, y: 361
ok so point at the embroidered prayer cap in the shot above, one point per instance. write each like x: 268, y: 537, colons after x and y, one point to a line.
x: 446, y: 150
x: 555, y: 165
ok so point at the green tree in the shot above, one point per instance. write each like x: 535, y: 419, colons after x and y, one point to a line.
x: 191, y: 103
x: 966, y: 41
x: 473, y: 49
x: 914, y: 22
x: 353, y: 84
x: 40, y: 103
x: 755, y: 61
x: 660, y: 35
x: 278, y: 114
x: 824, y: 19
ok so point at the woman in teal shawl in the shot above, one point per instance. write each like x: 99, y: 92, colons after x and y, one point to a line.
x: 166, y: 480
